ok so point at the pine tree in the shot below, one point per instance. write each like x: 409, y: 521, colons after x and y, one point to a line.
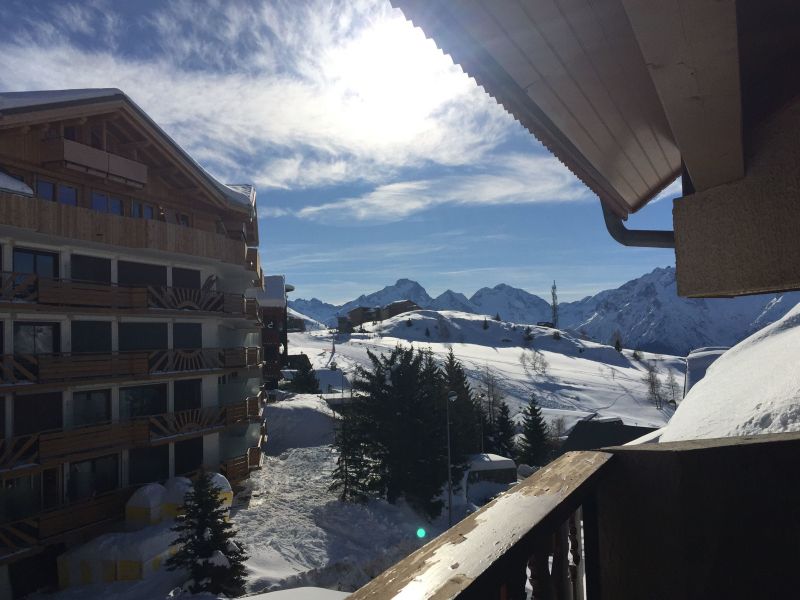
x: 505, y: 431
x: 497, y: 317
x: 208, y: 550
x: 427, y: 332
x: 352, y: 473
x: 304, y: 380
x: 485, y: 323
x: 618, y: 344
x: 533, y: 448
x: 464, y: 418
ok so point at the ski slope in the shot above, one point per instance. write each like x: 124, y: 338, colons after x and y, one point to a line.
x: 582, y: 378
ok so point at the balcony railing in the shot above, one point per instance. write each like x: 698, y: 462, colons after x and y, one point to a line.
x: 55, y: 219
x: 28, y: 287
x: 699, y: 519
x: 76, y: 156
x: 16, y: 369
x: 49, y: 448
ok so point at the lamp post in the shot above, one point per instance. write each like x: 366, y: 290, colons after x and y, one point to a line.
x: 451, y: 397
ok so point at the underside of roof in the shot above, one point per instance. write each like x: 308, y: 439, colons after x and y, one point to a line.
x: 573, y: 73
x: 238, y: 196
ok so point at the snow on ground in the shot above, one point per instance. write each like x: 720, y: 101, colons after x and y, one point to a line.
x: 582, y: 378
x: 753, y: 388
x: 296, y: 532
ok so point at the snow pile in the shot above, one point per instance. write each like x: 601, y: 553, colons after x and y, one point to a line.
x: 177, y: 488
x: 753, y: 388
x: 144, y: 506
x: 303, y: 593
x: 300, y: 422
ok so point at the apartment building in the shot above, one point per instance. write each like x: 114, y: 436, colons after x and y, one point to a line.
x: 129, y: 351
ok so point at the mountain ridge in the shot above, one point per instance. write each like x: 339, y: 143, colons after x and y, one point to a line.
x: 644, y: 313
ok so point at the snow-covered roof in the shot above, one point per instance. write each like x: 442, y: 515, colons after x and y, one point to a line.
x: 490, y: 462
x: 241, y: 195
x: 15, y: 186
x: 753, y: 388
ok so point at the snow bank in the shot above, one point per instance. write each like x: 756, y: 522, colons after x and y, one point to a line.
x: 753, y: 388
x: 177, y: 488
x: 303, y: 593
x: 301, y: 422
x: 144, y: 506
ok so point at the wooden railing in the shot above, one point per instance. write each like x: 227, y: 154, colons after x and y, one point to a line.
x: 85, y: 442
x: 254, y: 457
x: 236, y: 469
x: 28, y: 287
x: 55, y: 219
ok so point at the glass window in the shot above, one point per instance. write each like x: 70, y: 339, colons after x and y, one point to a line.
x: 20, y: 497
x: 186, y: 278
x: 71, y: 133
x: 92, y: 337
x: 148, y: 464
x: 182, y: 219
x: 36, y: 338
x: 99, y: 201
x: 67, y: 195
x: 45, y: 189
x: 37, y: 412
x: 188, y: 394
x: 187, y: 335
x: 142, y: 210
x: 142, y: 336
x: 43, y: 264
x: 133, y: 273
x: 88, y: 478
x: 91, y: 407
x: 115, y: 206
x: 91, y: 268
x: 188, y: 455
x: 142, y: 401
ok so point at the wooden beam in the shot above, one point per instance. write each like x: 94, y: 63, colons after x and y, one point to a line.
x: 691, y: 50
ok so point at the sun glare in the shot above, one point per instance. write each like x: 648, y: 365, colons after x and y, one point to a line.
x: 394, y: 79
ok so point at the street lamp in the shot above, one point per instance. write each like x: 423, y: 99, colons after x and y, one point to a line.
x: 451, y: 397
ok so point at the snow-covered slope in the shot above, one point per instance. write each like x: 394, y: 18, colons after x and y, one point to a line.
x: 645, y: 313
x: 753, y: 388
x: 311, y: 324
x: 582, y: 377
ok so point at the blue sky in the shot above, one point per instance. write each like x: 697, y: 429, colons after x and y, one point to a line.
x: 375, y: 157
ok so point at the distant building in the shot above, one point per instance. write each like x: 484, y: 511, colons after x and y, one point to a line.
x: 273, y: 306
x: 591, y: 434
x: 363, y: 314
x: 397, y: 308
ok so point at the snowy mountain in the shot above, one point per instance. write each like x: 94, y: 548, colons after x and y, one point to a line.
x: 645, y: 313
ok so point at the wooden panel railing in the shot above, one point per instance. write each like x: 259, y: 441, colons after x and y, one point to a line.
x: 486, y: 554
x: 84, y: 442
x: 74, y: 293
x: 55, y: 219
x: 233, y: 304
x: 254, y: 456
x: 251, y: 308
x: 18, y: 451
x: 236, y: 469
x: 253, y: 356
x: 109, y: 506
x: 253, y: 407
x: 19, y: 287
x: 67, y: 366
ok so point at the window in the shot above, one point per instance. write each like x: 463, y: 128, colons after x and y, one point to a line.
x: 36, y: 338
x: 102, y: 202
x: 186, y: 278
x: 188, y: 455
x: 187, y: 335
x: 142, y: 401
x: 142, y: 336
x: 71, y: 133
x: 91, y: 407
x: 37, y: 412
x: 88, y: 478
x: 67, y: 194
x: 46, y: 189
x: 141, y: 210
x: 91, y: 268
x: 182, y: 219
x: 93, y: 337
x: 133, y: 273
x: 148, y: 464
x: 43, y: 264
x: 188, y: 394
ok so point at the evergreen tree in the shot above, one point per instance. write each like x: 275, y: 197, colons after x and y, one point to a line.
x: 352, y: 473
x: 208, y: 550
x: 497, y: 317
x: 505, y: 431
x: 304, y: 380
x: 485, y: 323
x: 427, y: 332
x: 618, y: 344
x: 533, y: 448
x: 464, y: 418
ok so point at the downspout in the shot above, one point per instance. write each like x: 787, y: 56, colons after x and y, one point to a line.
x: 643, y: 238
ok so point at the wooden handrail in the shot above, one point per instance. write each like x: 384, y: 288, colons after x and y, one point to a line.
x: 485, y: 555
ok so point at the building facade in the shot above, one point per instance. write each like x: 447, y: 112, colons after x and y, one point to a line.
x: 129, y: 351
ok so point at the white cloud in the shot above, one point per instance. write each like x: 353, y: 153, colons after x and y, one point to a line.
x: 287, y: 95
x: 507, y: 179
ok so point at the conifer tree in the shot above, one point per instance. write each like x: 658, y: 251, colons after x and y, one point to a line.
x: 497, y: 317
x: 464, y: 418
x: 618, y: 345
x: 304, y: 380
x: 208, y: 550
x: 352, y: 473
x: 485, y: 323
x: 505, y: 431
x: 533, y: 445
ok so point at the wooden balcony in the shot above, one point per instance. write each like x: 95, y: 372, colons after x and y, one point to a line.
x: 27, y: 287
x: 236, y: 469
x: 87, y: 442
x: 54, y: 219
x: 187, y: 423
x: 691, y: 520
x: 75, y: 156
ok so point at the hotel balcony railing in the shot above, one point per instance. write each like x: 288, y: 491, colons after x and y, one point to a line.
x: 16, y: 369
x: 27, y: 287
x: 74, y: 222
x: 700, y: 519
x: 48, y: 448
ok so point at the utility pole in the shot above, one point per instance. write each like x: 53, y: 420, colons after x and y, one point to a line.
x: 554, y: 304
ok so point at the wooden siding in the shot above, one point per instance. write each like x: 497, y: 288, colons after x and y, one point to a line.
x: 88, y: 225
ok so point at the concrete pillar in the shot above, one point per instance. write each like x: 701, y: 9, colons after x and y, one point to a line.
x: 8, y: 336
x: 170, y: 398
x: 114, y: 270
x: 8, y: 256
x: 124, y: 468
x: 67, y: 409
x: 115, y: 335
x: 115, y: 404
x: 210, y: 391
x: 172, y: 460
x: 5, y: 583
x: 211, y: 451
x: 169, y: 275
x: 170, y: 331
x: 66, y: 334
x: 8, y: 407
x: 65, y: 264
